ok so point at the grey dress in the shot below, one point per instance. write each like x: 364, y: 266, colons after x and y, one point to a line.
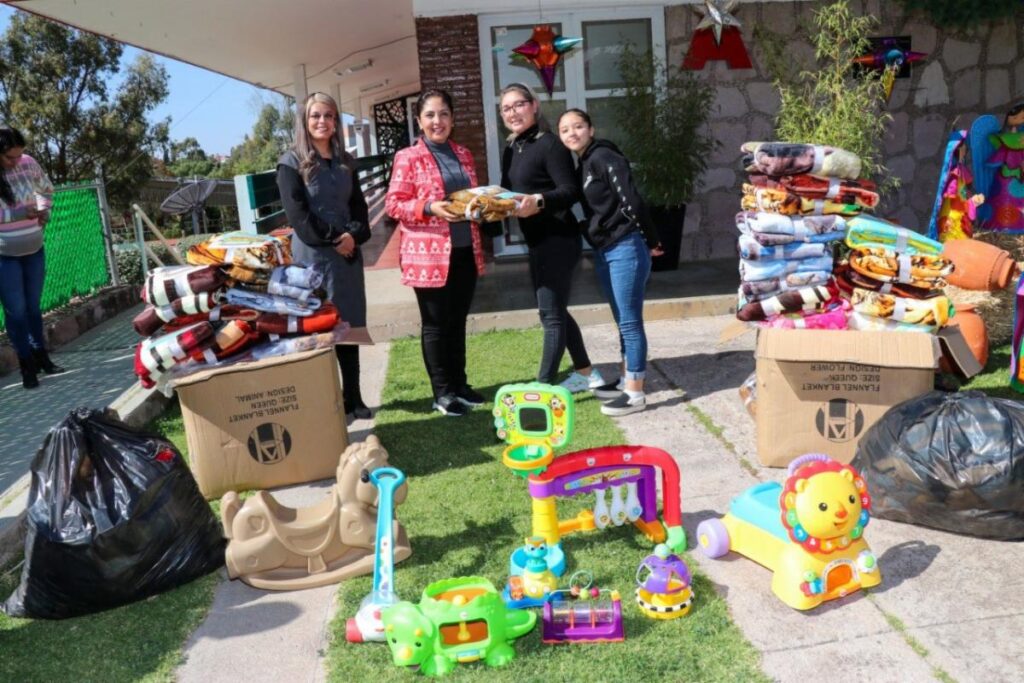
x: 320, y: 212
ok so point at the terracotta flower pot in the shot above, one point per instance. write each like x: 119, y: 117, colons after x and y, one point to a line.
x: 973, y: 328
x: 979, y: 265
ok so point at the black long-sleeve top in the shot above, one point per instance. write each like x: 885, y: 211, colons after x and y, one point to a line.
x: 613, y: 206
x: 319, y: 213
x: 535, y: 162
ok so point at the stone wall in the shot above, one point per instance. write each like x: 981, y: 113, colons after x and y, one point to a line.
x: 450, y: 60
x: 964, y: 75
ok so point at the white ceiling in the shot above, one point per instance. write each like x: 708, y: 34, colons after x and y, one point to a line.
x: 263, y: 41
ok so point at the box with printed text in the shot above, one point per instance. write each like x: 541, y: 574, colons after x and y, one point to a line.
x: 256, y: 425
x: 819, y: 390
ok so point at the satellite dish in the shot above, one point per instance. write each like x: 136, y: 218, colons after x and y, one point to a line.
x: 189, y: 198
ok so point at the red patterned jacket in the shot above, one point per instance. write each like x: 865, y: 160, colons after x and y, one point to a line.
x: 425, y: 240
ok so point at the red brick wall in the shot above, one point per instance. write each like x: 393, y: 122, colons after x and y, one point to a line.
x: 449, y: 53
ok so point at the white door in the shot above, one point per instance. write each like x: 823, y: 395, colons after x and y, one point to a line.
x: 586, y: 76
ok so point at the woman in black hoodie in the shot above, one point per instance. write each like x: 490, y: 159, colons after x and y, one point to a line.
x: 537, y: 167
x: 619, y: 229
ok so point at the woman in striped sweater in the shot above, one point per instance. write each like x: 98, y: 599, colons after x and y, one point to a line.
x: 26, y: 195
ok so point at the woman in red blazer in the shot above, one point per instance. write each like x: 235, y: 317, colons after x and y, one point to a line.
x: 441, y: 252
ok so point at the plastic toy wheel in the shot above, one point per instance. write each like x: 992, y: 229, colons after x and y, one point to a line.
x: 713, y: 537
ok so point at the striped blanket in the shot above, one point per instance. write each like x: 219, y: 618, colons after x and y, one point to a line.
x: 863, y: 193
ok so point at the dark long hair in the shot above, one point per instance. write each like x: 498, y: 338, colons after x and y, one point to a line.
x: 9, y: 139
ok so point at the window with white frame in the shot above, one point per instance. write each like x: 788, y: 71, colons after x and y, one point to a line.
x: 586, y: 77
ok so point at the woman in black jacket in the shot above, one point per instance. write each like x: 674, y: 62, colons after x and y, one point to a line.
x: 327, y: 210
x: 536, y: 165
x: 619, y: 229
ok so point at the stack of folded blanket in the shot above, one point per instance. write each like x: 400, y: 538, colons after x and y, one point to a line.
x: 239, y: 291
x: 893, y: 278
x: 795, y: 208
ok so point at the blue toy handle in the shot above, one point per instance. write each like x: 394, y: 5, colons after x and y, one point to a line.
x: 384, y: 477
x: 387, y: 480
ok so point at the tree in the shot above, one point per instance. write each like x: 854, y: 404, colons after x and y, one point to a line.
x: 56, y: 86
x: 187, y: 159
x: 271, y: 135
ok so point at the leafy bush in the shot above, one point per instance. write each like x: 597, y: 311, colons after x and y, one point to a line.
x: 955, y: 14
x: 663, y: 126
x: 833, y: 102
x: 129, y: 264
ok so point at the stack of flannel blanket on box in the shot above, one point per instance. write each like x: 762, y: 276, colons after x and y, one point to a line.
x: 239, y: 290
x: 894, y: 278
x: 796, y: 205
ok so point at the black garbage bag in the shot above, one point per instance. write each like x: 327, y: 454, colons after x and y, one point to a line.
x: 114, y: 515
x: 951, y: 461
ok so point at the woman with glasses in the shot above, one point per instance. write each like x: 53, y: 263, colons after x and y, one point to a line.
x: 441, y: 253
x: 620, y: 230
x: 325, y: 207
x: 536, y: 165
x: 25, y: 200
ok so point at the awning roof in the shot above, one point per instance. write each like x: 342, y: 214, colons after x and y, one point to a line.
x: 263, y: 41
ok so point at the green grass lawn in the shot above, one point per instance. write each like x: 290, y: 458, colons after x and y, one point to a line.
x: 994, y: 380
x: 466, y: 512
x: 137, y: 642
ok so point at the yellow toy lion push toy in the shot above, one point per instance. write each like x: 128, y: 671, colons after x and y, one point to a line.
x: 809, y: 532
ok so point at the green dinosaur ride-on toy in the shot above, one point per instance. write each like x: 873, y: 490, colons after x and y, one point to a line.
x: 457, y: 621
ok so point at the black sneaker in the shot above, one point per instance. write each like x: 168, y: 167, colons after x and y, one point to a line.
x: 358, y: 411
x: 624, y: 405
x: 450, y: 405
x: 469, y: 396
x: 611, y: 390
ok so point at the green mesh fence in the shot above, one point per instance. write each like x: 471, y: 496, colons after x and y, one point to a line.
x: 76, y: 261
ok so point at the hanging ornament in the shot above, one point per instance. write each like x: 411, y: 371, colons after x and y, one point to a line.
x: 891, y: 55
x: 544, y: 49
x: 717, y: 37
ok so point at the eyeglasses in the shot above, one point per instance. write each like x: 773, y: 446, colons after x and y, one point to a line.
x: 316, y: 116
x: 515, y: 106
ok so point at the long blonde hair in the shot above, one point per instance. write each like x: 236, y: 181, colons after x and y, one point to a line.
x: 527, y: 92
x: 308, y: 156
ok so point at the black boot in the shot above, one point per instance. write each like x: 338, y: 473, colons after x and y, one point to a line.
x: 29, y: 379
x: 44, y: 363
x: 348, y: 359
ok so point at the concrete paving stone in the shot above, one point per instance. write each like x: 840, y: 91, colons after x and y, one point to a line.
x: 933, y: 577
x: 254, y: 635
x: 982, y: 649
x: 881, y: 658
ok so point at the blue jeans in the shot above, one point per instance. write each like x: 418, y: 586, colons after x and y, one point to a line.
x: 623, y: 269
x: 21, y: 289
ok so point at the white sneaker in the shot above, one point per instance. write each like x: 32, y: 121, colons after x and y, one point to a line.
x: 624, y: 405
x: 576, y: 382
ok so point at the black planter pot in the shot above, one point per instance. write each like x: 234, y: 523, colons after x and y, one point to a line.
x: 669, y: 222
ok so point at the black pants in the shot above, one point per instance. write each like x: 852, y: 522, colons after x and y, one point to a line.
x: 443, y: 311
x: 552, y: 263
x: 348, y: 359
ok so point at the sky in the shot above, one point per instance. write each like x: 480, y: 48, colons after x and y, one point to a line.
x: 216, y: 110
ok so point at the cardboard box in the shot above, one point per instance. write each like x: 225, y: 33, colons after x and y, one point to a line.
x: 266, y: 423
x: 818, y: 391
